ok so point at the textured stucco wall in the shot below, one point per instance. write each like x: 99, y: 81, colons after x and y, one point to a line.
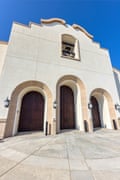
x: 3, y: 49
x: 34, y: 53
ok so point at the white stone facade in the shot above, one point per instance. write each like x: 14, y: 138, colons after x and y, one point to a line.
x: 34, y: 54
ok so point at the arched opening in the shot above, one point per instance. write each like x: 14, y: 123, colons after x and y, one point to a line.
x: 70, y: 46
x: 16, y: 102
x: 32, y: 112
x: 103, y: 109
x: 67, y: 109
x: 95, y: 113
x: 80, y: 102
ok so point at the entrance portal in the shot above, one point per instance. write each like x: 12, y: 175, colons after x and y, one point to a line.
x: 95, y: 113
x: 32, y: 112
x: 67, y: 110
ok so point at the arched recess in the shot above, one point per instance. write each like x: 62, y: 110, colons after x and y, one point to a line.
x: 79, y: 90
x: 15, y: 105
x: 106, y: 107
x: 70, y: 46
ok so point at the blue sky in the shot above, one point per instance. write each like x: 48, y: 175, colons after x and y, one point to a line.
x: 99, y: 17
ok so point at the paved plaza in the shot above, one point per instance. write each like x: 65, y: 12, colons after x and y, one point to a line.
x: 70, y: 155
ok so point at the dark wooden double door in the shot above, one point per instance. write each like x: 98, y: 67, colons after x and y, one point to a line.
x: 32, y: 112
x: 67, y: 110
x: 95, y: 113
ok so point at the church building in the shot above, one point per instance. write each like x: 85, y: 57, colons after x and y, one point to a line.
x: 54, y: 77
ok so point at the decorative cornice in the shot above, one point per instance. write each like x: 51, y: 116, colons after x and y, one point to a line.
x: 75, y: 26
x: 58, y: 20
x: 52, y: 20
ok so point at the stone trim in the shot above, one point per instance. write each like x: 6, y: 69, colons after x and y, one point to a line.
x: 52, y: 20
x: 75, y: 26
x: 4, y: 42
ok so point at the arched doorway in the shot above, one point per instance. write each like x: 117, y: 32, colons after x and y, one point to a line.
x: 67, y: 110
x: 95, y: 113
x: 32, y: 112
x: 105, y: 106
x: 80, y: 101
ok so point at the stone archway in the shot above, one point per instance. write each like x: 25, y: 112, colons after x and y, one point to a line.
x: 17, y: 95
x: 75, y: 84
x: 106, y: 107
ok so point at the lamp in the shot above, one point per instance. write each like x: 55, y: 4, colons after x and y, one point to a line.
x: 90, y: 106
x: 54, y: 104
x: 117, y: 106
x: 6, y: 102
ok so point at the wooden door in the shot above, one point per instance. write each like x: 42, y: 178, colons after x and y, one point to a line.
x: 32, y: 112
x: 67, y: 113
x: 95, y: 113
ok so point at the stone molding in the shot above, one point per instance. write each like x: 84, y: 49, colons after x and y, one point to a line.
x: 52, y: 20
x: 76, y: 26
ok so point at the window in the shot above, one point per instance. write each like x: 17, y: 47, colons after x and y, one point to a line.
x: 70, y: 47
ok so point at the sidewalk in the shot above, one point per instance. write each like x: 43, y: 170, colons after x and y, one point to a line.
x: 67, y: 156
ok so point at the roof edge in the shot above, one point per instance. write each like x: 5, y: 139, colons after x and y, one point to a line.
x: 76, y: 26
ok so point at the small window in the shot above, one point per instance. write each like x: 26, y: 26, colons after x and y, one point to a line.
x: 70, y: 47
